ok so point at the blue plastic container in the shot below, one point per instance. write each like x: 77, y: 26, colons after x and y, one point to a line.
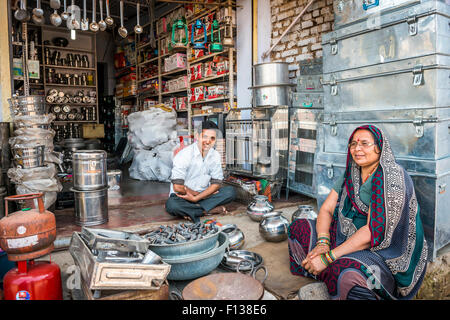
x: 5, y: 264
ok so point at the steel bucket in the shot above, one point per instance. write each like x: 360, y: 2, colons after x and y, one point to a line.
x: 91, y: 207
x: 89, y: 170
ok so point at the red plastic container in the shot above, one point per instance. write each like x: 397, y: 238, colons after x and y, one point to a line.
x: 37, y: 280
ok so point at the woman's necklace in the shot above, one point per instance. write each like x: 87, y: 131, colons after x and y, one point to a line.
x: 364, y: 180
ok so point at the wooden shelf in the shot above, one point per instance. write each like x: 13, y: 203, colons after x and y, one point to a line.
x: 225, y: 75
x: 68, y: 85
x: 173, y: 72
x: 72, y: 68
x: 70, y: 49
x: 209, y: 56
x: 75, y: 121
x: 224, y: 98
x: 73, y: 104
x: 208, y: 114
x: 148, y: 61
x: 175, y: 91
x: 146, y: 79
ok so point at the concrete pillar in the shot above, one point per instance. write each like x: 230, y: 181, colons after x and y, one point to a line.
x: 5, y: 68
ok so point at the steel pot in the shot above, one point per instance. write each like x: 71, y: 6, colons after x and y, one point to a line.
x: 25, y: 152
x: 89, y: 170
x: 29, y: 162
x: 304, y: 212
x: 271, y: 73
x: 91, y: 207
x: 243, y: 260
x: 235, y: 236
x: 271, y: 95
x: 258, y: 207
x: 274, y: 227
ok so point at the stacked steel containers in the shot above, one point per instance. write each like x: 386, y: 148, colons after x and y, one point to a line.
x: 34, y: 160
x: 305, y: 116
x: 90, y: 185
x: 388, y: 64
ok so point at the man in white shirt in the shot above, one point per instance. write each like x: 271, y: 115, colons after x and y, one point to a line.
x: 197, y: 177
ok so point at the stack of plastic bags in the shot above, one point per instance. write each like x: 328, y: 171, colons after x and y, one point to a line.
x: 32, y: 149
x: 153, y: 137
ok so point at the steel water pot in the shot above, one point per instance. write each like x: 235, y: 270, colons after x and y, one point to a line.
x: 235, y: 236
x: 274, y: 227
x: 258, y: 207
x: 304, y: 212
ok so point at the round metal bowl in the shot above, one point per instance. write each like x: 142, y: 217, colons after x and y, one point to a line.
x: 185, y: 249
x: 192, y: 267
x: 245, y: 260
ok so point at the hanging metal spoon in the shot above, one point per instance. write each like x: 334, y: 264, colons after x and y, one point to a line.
x: 65, y: 14
x: 101, y: 24
x: 21, y: 13
x: 38, y: 12
x: 122, y: 30
x: 109, y: 21
x: 73, y: 22
x: 55, y: 4
x: 84, y: 21
x: 138, y: 28
x: 55, y: 19
x: 94, y: 25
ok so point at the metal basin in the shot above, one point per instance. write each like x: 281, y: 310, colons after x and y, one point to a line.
x: 192, y: 267
x: 245, y: 260
x: 185, y: 249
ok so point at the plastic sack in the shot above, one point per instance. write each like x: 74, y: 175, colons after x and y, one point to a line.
x: 43, y: 120
x: 49, y: 197
x: 18, y: 175
x: 42, y: 185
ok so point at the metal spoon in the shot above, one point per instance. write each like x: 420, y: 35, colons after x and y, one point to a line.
x: 94, y: 25
x: 138, y: 28
x: 65, y: 14
x: 38, y: 12
x: 84, y: 21
x: 109, y: 21
x: 55, y: 4
x: 122, y: 30
x: 101, y: 24
x: 73, y: 22
x: 55, y: 19
x: 21, y: 13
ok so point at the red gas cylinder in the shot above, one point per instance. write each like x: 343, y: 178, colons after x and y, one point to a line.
x: 37, y: 280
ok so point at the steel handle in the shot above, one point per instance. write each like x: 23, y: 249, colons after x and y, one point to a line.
x: 28, y: 196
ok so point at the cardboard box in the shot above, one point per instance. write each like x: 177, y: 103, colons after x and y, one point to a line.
x: 94, y: 130
x: 175, y: 61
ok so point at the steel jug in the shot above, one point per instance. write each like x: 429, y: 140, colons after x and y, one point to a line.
x: 258, y: 207
x: 304, y: 212
x: 274, y: 226
x: 235, y: 236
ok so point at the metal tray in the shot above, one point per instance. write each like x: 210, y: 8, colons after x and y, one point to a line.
x: 115, y: 276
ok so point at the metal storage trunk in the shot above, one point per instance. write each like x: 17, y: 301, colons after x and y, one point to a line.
x: 352, y: 11
x: 302, y: 149
x: 307, y: 99
x: 431, y: 183
x: 413, y: 133
x: 414, y: 31
x: 411, y: 83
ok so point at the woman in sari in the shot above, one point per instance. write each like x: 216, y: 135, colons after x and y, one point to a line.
x: 367, y: 241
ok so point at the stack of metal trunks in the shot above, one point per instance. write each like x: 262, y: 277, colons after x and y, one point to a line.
x: 388, y: 64
x: 305, y: 116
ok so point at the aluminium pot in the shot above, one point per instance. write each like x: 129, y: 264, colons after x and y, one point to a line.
x: 271, y: 95
x: 91, y: 207
x: 274, y: 227
x: 89, y: 170
x: 271, y: 73
x: 259, y: 206
x: 304, y: 212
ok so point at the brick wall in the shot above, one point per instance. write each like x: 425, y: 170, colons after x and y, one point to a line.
x: 303, y: 41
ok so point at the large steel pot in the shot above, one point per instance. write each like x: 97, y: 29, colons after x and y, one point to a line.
x: 91, y: 207
x: 259, y: 206
x: 27, y: 105
x: 304, y: 212
x: 89, y: 170
x: 187, y: 268
x: 271, y: 73
x: 271, y: 95
x: 274, y: 227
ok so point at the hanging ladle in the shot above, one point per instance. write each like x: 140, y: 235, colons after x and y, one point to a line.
x: 94, y: 25
x: 55, y: 4
x: 55, y: 19
x: 122, y: 30
x: 38, y: 12
x: 65, y: 14
x: 21, y: 13
x: 109, y: 21
x: 101, y: 24
x: 84, y: 21
x: 138, y: 28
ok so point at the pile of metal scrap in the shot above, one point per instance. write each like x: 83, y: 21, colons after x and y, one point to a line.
x: 181, y: 232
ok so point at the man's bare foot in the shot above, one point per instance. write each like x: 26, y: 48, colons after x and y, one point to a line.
x: 217, y: 210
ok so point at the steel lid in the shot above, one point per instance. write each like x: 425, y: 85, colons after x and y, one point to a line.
x: 89, y: 155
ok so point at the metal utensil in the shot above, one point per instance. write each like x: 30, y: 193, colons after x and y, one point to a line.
x: 84, y: 21
x: 38, y: 12
x: 94, y: 25
x: 138, y: 28
x: 55, y: 19
x: 65, y: 15
x: 73, y: 22
x: 21, y: 13
x: 122, y: 30
x: 39, y: 20
x: 55, y: 4
x: 109, y: 21
x: 101, y: 24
